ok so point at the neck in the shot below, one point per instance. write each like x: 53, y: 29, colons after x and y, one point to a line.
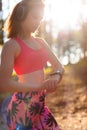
x: 24, y: 36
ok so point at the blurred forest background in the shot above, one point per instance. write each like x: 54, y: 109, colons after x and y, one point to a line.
x: 68, y: 40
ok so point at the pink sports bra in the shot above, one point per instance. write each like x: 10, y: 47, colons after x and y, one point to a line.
x: 30, y: 60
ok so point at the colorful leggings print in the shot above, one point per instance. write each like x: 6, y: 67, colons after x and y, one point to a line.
x: 27, y: 111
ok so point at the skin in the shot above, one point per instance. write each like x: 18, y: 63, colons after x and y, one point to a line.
x: 11, y: 50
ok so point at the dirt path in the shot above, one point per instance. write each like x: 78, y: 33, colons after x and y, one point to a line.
x: 69, y: 103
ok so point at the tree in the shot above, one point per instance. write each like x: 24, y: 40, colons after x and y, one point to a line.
x: 83, y: 39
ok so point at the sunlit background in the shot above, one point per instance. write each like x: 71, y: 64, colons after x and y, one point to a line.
x: 61, y: 19
x: 63, y: 13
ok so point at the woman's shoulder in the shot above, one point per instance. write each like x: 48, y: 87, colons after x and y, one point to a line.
x: 11, y: 46
x: 10, y: 42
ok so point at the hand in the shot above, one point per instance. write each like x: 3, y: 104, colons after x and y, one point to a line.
x: 50, y: 84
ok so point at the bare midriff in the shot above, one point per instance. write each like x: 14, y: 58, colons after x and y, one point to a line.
x: 34, y: 78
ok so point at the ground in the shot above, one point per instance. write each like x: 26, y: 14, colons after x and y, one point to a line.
x: 69, y: 103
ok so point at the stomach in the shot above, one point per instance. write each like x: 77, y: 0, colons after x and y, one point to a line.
x: 36, y: 77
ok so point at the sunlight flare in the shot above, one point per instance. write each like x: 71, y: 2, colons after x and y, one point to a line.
x: 64, y: 14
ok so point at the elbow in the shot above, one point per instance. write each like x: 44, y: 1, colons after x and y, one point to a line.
x: 63, y: 70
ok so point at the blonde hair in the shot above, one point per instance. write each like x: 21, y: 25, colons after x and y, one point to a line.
x: 13, y: 24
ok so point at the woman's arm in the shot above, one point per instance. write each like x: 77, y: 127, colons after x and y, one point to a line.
x: 55, y: 77
x: 54, y: 61
x: 9, y: 53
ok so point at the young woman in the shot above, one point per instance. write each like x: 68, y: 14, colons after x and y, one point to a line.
x: 28, y: 55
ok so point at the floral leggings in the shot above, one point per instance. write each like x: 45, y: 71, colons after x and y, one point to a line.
x: 27, y: 111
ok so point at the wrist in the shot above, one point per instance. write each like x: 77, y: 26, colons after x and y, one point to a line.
x: 57, y: 73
